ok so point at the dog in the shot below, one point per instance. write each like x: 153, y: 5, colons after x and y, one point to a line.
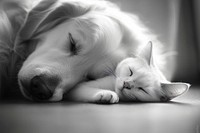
x: 61, y: 43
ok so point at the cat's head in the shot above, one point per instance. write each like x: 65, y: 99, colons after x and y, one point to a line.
x: 138, y: 79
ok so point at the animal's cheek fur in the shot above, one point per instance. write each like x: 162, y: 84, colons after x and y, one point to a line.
x: 50, y: 66
x: 119, y: 84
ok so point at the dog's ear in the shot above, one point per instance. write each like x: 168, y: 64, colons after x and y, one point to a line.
x: 34, y: 18
x: 46, y: 15
x: 12, y: 15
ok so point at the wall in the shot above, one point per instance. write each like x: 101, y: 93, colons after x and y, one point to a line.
x: 173, y: 22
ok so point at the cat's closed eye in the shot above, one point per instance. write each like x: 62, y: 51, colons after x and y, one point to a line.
x: 142, y: 89
x: 131, y: 72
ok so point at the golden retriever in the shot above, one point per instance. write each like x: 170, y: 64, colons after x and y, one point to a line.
x: 60, y: 43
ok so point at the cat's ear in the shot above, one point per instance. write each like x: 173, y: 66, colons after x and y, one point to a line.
x: 147, y: 53
x: 175, y: 89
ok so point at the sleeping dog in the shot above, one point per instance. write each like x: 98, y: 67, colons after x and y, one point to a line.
x: 61, y: 43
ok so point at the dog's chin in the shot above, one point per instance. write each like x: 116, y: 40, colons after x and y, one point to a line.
x: 57, y: 96
x: 25, y: 93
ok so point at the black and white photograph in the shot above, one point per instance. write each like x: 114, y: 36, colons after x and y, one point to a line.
x: 99, y: 66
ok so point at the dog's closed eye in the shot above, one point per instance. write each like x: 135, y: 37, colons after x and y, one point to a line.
x: 72, y: 47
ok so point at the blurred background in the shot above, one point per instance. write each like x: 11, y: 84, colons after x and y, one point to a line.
x: 177, y: 24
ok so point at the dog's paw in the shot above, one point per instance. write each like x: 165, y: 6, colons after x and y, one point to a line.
x: 106, y: 96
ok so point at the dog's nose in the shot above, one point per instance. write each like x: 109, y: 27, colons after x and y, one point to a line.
x: 39, y: 88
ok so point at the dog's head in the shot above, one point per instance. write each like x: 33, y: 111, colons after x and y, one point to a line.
x: 62, y: 40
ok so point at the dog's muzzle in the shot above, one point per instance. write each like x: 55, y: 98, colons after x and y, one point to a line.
x: 38, y: 83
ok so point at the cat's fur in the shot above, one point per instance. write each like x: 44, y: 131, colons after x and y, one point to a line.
x: 139, y: 79
x: 135, y: 79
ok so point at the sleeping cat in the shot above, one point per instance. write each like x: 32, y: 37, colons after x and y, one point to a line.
x: 138, y: 79
x: 135, y: 79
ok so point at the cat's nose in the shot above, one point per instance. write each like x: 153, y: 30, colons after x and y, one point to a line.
x: 127, y: 85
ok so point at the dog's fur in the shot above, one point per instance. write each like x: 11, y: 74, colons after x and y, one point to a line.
x: 37, y: 34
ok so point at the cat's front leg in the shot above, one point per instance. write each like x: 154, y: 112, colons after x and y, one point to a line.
x: 97, y: 91
x: 106, y: 96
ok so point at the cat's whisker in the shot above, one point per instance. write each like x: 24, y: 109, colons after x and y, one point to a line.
x: 111, y: 71
x: 111, y: 68
x: 127, y: 94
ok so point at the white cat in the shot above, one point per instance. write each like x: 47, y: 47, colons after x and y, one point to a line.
x: 136, y: 79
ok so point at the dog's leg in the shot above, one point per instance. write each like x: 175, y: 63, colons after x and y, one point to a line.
x: 98, y: 91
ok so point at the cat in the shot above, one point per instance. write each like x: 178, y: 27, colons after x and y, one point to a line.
x: 139, y: 79
x: 136, y: 78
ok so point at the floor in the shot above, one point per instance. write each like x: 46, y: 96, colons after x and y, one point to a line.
x: 182, y: 115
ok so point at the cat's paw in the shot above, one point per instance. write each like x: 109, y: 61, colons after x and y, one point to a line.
x: 106, y: 96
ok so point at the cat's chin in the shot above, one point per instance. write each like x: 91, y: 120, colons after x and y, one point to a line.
x: 123, y: 97
x: 119, y: 93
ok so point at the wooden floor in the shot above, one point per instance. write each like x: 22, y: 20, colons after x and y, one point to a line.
x: 182, y: 115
